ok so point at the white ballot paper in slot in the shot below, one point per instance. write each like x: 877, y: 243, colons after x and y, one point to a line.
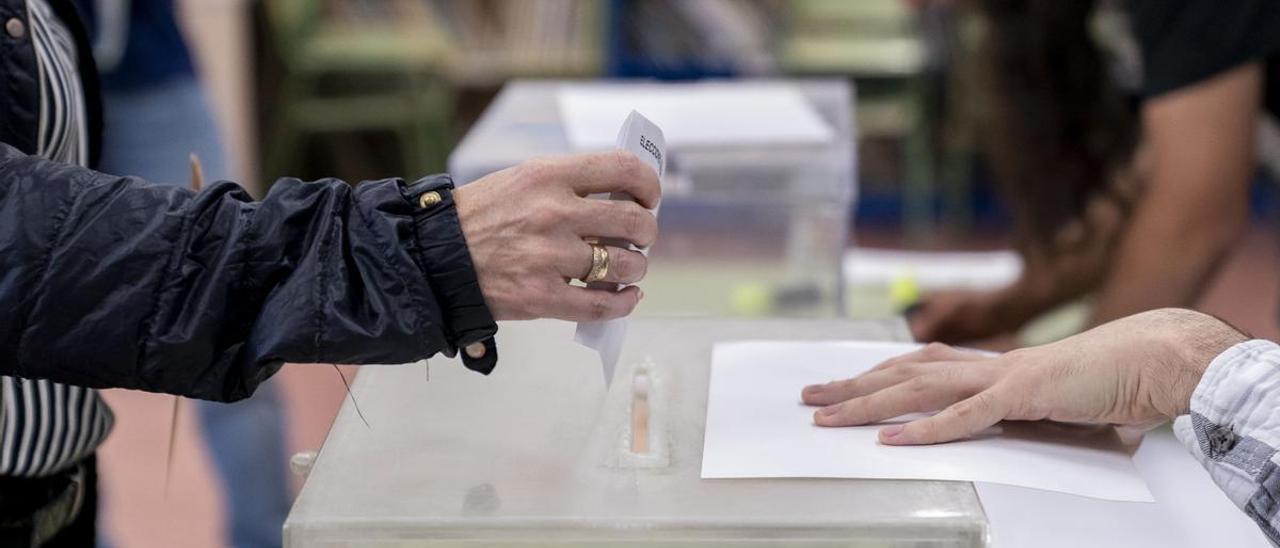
x: 641, y: 137
x: 757, y: 427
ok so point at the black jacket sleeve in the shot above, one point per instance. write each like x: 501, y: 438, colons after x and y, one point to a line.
x: 113, y: 282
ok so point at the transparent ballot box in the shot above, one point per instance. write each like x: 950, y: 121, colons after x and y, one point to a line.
x: 540, y: 453
x: 746, y: 229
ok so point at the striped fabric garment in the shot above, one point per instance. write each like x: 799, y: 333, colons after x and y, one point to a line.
x: 1234, y: 429
x: 44, y: 426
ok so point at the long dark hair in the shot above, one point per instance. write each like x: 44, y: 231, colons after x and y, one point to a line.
x: 1055, y: 129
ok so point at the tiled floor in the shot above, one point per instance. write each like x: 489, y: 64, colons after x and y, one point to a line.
x: 138, y: 513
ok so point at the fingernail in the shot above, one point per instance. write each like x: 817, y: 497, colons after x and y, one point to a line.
x: 475, y: 350
x: 640, y: 293
x: 891, y: 431
x: 829, y: 410
x: 812, y: 389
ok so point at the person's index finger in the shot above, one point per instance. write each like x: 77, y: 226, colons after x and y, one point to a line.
x: 617, y: 219
x: 920, y: 394
x: 608, y: 172
x: 861, y: 385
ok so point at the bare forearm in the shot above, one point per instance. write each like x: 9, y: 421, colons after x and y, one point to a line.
x: 1167, y: 257
x: 1196, y: 201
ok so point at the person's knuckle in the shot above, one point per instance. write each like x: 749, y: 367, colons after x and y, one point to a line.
x: 855, y: 410
x: 546, y: 214
x: 633, y: 222
x: 1018, y: 357
x: 1014, y: 399
x: 628, y: 305
x: 535, y: 171
x: 641, y: 267
x: 566, y: 211
x: 851, y: 384
x: 918, y: 385
x: 537, y: 218
x: 907, y: 370
x: 987, y: 402
x: 646, y: 227
x: 543, y: 256
x: 627, y: 266
x: 925, y: 431
x: 936, y: 351
x: 598, y: 305
x: 628, y: 164
x: 964, y: 410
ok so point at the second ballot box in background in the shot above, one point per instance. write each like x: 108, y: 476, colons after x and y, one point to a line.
x: 758, y: 192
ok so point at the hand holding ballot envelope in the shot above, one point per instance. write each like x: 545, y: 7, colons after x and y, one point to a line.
x: 1139, y: 371
x: 528, y: 230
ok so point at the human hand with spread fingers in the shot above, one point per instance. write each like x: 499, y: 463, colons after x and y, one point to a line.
x: 1140, y: 370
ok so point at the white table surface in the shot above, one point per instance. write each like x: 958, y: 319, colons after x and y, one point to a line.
x: 1190, y: 511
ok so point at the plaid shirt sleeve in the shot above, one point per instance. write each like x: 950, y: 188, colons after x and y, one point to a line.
x: 1234, y: 429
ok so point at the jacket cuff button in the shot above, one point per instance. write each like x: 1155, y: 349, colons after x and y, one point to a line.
x: 429, y: 199
x: 475, y: 350
x: 15, y: 28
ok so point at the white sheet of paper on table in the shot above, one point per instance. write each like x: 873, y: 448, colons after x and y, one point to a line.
x: 694, y: 115
x: 865, y: 266
x: 643, y: 138
x: 757, y: 427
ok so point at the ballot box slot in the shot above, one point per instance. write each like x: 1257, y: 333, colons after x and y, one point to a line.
x: 640, y: 414
x: 644, y: 440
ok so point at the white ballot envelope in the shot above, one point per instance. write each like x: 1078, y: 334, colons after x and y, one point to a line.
x: 641, y: 137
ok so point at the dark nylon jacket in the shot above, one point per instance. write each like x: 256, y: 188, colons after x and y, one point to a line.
x: 113, y: 282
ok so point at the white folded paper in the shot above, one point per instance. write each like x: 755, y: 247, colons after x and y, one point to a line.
x: 700, y: 114
x: 758, y: 428
x: 641, y: 137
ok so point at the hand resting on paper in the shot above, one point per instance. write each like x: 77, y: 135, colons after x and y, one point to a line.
x: 1140, y: 371
x: 525, y: 227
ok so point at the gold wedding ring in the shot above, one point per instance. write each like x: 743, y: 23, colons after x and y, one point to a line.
x: 599, y: 263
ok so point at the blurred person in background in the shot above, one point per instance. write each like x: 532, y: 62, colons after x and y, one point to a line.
x: 156, y: 115
x: 1137, y: 209
x: 116, y: 282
